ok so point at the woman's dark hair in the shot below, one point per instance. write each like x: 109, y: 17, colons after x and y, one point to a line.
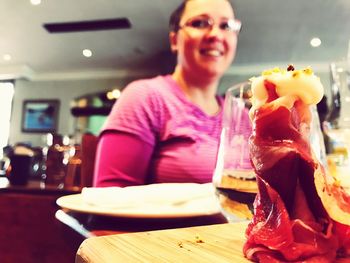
x: 174, y: 22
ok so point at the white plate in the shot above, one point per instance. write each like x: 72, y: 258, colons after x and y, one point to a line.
x: 197, y: 206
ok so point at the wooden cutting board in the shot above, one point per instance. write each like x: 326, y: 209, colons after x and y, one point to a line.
x: 215, y: 243
x: 206, y: 244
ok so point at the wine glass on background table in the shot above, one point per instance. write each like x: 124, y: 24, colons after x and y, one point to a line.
x: 234, y: 178
x: 337, y: 124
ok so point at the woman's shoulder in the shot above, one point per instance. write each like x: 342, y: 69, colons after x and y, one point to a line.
x: 139, y: 108
x: 157, y: 92
x: 157, y: 84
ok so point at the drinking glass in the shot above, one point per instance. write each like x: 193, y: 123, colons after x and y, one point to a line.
x: 57, y: 154
x: 234, y: 178
x: 337, y: 123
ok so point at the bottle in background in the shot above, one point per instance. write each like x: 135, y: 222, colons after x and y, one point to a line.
x: 56, y: 161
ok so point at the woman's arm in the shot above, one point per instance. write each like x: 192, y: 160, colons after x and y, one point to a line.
x: 122, y: 159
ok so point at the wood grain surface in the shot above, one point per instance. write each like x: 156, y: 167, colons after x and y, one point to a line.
x: 216, y: 243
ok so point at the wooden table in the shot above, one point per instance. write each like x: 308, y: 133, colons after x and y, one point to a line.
x: 88, y: 225
x: 29, y: 231
x: 221, y: 243
x: 215, y: 243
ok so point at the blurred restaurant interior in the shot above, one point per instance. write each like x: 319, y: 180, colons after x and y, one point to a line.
x: 76, y: 73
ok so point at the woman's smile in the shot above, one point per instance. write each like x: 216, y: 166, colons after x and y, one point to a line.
x: 211, y: 52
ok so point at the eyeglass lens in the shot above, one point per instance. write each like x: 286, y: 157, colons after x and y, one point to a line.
x: 205, y: 23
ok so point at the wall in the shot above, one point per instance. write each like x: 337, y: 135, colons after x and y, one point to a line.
x: 63, y: 90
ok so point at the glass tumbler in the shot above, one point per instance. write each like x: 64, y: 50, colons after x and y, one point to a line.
x: 234, y: 178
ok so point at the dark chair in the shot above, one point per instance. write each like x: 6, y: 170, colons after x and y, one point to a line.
x: 88, y: 154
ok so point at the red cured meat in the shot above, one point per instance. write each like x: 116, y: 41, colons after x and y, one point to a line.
x: 290, y: 223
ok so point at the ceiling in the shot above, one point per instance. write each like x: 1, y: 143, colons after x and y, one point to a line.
x: 274, y: 32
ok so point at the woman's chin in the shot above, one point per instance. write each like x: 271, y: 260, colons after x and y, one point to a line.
x: 212, y: 72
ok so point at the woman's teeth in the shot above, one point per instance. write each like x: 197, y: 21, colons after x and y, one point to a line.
x: 211, y: 52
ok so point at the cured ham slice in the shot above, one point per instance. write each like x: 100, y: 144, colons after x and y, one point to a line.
x: 300, y: 215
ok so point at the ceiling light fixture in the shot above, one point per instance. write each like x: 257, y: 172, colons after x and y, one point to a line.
x: 7, y: 57
x: 35, y: 2
x: 89, y: 25
x: 315, y: 42
x: 87, y: 53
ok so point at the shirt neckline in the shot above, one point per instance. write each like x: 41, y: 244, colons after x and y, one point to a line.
x: 179, y: 92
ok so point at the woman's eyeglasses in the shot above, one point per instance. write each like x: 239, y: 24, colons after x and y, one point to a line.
x: 207, y: 23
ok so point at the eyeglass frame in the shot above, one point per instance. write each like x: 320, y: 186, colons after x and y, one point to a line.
x: 211, y: 24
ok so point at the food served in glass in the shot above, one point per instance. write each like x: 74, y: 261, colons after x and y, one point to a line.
x: 234, y: 178
x: 301, y: 214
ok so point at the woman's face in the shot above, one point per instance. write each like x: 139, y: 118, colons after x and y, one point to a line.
x: 206, y: 51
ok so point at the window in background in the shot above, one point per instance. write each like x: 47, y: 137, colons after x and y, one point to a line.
x: 6, y: 95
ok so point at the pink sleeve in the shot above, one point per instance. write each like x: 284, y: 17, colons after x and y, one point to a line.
x: 122, y: 160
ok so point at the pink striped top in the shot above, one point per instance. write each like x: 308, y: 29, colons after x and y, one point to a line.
x: 184, y: 139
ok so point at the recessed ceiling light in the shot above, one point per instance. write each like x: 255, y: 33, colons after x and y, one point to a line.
x: 315, y: 42
x: 87, y: 53
x: 35, y: 2
x: 7, y: 57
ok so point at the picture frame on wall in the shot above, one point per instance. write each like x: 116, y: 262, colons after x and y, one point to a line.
x: 40, y: 116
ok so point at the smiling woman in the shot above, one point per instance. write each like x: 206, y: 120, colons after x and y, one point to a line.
x: 171, y: 124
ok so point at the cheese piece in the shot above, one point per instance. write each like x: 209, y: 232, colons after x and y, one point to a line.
x: 290, y: 86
